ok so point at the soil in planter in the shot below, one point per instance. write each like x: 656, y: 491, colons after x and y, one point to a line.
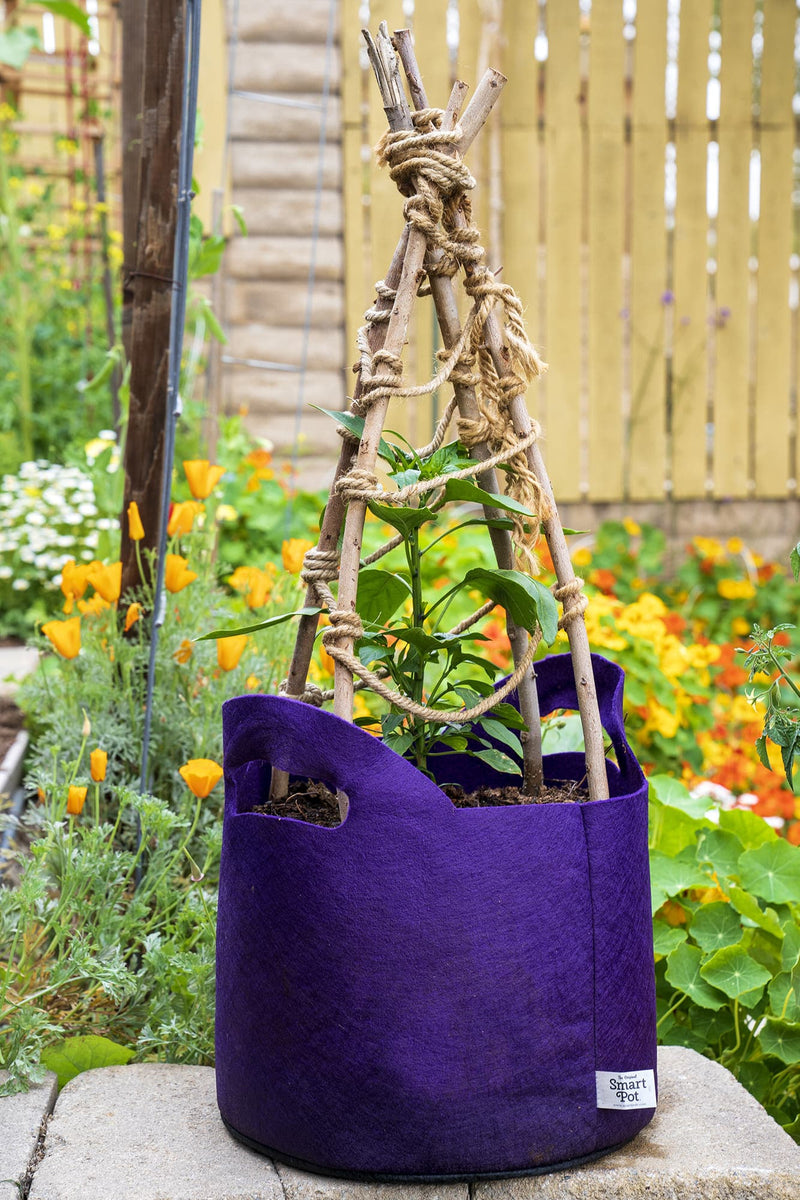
x: 315, y: 804
x: 11, y: 720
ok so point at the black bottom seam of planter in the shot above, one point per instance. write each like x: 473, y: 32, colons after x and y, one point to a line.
x: 300, y: 1164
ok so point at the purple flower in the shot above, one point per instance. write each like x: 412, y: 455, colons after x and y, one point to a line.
x: 667, y: 297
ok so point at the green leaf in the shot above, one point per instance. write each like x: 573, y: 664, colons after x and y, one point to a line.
x: 715, y: 925
x: 794, y: 559
x: 238, y: 215
x: 380, y: 594
x: 466, y: 490
x: 404, y: 520
x: 527, y: 601
x: 207, y: 257
x: 355, y: 425
x: 70, y: 12
x: 734, y: 972
x: 15, y: 46
x: 772, y: 871
x: 223, y: 633
x: 784, y: 995
x: 669, y: 876
x: 752, y: 831
x: 790, y: 950
x: 497, y: 760
x: 667, y: 937
x: 748, y: 907
x: 722, y: 851
x: 563, y: 734
x: 672, y: 792
x: 83, y: 1053
x: 500, y: 732
x: 781, y: 1038
x: 683, y: 972
x: 509, y: 715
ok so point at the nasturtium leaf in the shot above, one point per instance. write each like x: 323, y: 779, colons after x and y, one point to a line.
x: 715, y: 925
x: 16, y: 44
x: 82, y: 1053
x: 790, y: 950
x: 784, y: 995
x: 679, y: 1034
x: 498, y: 761
x: 498, y: 731
x: 752, y: 831
x: 526, y: 600
x: 721, y: 850
x: 667, y: 937
x: 672, y: 792
x: 748, y: 906
x: 672, y: 830
x: 733, y: 971
x: 223, y: 633
x: 712, y: 1025
x: 466, y: 490
x: 683, y: 972
x: 781, y: 1038
x: 669, y: 876
x: 380, y: 594
x: 772, y: 871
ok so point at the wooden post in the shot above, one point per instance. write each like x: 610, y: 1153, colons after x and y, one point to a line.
x: 151, y: 277
x: 132, y: 76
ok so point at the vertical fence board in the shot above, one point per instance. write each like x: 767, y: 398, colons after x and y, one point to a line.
x: 521, y: 162
x: 562, y: 345
x: 606, y: 229
x: 773, y: 346
x: 358, y: 276
x: 731, y: 395
x: 646, y: 451
x: 472, y: 60
x: 690, y: 253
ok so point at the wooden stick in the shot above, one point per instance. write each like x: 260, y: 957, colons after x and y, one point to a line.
x: 444, y: 299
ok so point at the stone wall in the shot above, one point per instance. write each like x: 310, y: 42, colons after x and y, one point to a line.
x: 278, y: 50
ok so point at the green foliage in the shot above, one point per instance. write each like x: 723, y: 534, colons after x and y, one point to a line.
x: 726, y: 902
x: 780, y: 697
x: 83, y: 1053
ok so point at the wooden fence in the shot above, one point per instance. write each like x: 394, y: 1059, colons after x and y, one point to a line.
x: 637, y: 186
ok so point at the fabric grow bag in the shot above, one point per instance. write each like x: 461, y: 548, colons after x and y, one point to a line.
x: 423, y: 991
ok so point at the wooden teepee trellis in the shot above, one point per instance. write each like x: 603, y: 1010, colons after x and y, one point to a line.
x: 489, y: 363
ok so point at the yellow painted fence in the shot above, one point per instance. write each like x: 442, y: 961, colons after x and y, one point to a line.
x: 636, y: 184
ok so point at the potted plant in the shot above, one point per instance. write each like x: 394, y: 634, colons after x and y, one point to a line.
x: 427, y: 991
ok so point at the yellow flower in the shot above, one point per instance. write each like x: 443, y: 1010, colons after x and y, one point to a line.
x: 76, y: 797
x: 226, y: 512
x: 135, y: 526
x: 94, y: 606
x: 65, y: 636
x: 79, y: 206
x: 177, y: 574
x: 7, y: 113
x: 74, y: 581
x: 256, y: 584
x: 201, y: 775
x: 734, y: 545
x: 101, y: 207
x: 98, y: 761
x: 66, y: 145
x: 107, y: 580
x: 230, y: 650
x: 202, y: 476
x: 708, y: 548
x: 56, y: 232
x: 252, y: 683
x: 293, y: 552
x: 631, y: 527
x: 132, y: 615
x: 184, y: 651
x: 582, y: 556
x: 740, y: 626
x: 736, y: 589
x: 182, y: 517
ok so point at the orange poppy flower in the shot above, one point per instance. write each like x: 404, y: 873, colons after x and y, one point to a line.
x: 107, y: 580
x: 65, y: 636
x: 201, y: 775
x: 98, y: 761
x: 76, y: 797
x: 292, y: 552
x: 135, y: 526
x: 230, y: 650
x: 202, y: 477
x: 182, y: 517
x: 93, y: 606
x: 177, y: 574
x: 184, y: 651
x: 132, y: 615
x: 74, y: 581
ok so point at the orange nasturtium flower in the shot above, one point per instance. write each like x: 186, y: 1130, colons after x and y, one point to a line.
x: 201, y: 775
x: 184, y: 651
x: 176, y: 573
x: 76, y: 797
x: 202, y: 476
x: 65, y: 636
x: 135, y: 526
x: 293, y: 552
x: 182, y: 516
x: 107, y: 580
x: 98, y: 761
x: 132, y: 615
x: 230, y: 650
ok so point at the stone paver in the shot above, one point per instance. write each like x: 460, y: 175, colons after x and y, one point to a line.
x: 147, y: 1132
x: 153, y: 1132
x: 709, y: 1140
x: 21, y: 1119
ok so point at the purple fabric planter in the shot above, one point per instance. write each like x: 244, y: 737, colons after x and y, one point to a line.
x: 424, y: 991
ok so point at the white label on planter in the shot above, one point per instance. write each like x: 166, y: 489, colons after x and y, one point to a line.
x: 625, y: 1089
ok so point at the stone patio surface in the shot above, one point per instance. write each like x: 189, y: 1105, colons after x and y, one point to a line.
x: 153, y: 1132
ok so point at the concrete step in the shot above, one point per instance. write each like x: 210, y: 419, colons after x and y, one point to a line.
x: 22, y: 1118
x: 152, y: 1132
